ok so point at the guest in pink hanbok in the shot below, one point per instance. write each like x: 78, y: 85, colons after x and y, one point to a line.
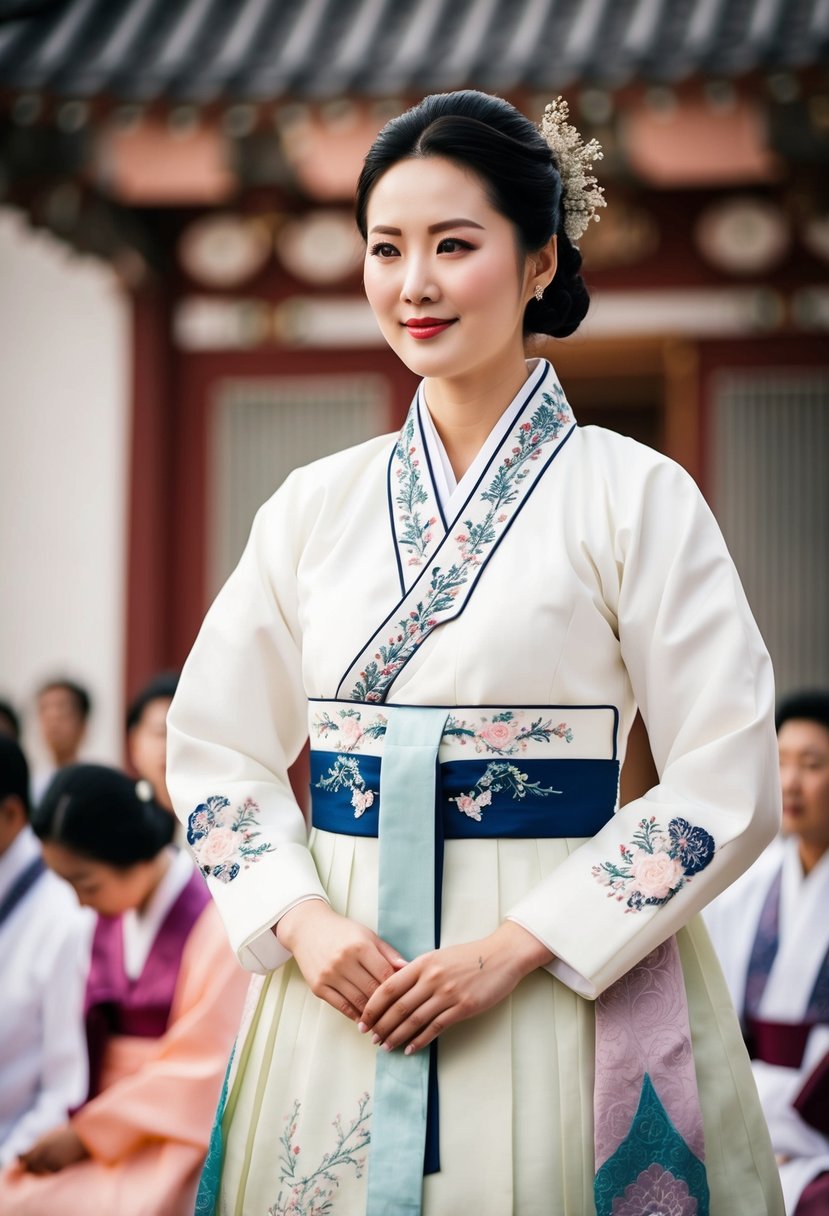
x: 163, y: 999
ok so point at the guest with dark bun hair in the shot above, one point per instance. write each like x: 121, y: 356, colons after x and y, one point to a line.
x: 147, y: 733
x: 163, y: 999
x: 464, y: 619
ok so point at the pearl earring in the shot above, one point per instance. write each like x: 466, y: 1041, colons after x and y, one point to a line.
x: 539, y: 292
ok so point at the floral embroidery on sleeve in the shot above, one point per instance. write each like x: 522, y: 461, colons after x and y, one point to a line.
x: 656, y: 864
x: 311, y: 1194
x: 222, y: 840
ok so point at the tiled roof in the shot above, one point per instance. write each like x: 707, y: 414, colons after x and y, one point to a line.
x: 202, y: 50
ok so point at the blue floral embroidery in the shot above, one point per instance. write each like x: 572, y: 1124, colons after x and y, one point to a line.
x: 415, y: 534
x: 497, y: 777
x: 656, y: 864
x: 222, y: 840
x: 345, y: 772
x: 311, y: 1194
x: 472, y: 544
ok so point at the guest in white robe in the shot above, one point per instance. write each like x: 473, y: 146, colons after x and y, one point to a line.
x: 771, y: 931
x: 43, y: 958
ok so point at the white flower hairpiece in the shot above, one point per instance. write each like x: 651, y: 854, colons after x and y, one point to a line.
x: 581, y: 195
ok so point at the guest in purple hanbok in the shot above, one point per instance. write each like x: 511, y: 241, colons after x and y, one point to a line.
x: 163, y: 1000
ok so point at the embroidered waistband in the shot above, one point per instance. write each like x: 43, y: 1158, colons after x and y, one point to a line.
x: 539, y: 732
x: 535, y: 771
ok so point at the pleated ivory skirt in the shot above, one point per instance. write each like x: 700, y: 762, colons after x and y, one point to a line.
x: 516, y: 1083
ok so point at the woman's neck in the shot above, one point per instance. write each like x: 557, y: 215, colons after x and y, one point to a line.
x: 156, y: 870
x: 810, y: 854
x: 464, y: 410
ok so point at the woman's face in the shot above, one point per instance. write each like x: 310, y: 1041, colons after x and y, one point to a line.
x: 147, y: 743
x: 443, y: 271
x: 804, y: 777
x: 109, y: 890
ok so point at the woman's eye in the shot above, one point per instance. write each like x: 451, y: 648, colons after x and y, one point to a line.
x: 452, y: 244
x: 383, y: 250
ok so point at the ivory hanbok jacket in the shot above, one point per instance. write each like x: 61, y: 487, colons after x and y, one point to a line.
x: 575, y: 576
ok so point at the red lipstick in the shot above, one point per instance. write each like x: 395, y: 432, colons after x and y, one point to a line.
x: 427, y: 327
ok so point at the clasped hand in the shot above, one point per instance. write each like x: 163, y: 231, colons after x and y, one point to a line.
x: 54, y: 1151
x: 400, y: 1003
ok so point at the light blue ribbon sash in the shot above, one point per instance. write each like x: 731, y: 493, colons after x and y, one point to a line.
x: 406, y: 918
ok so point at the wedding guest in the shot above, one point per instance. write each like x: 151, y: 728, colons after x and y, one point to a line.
x: 163, y: 1001
x: 771, y: 931
x: 43, y: 962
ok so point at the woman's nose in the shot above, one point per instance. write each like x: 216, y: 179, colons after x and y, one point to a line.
x: 418, y: 283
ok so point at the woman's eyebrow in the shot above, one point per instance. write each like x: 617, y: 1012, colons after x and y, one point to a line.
x: 443, y: 226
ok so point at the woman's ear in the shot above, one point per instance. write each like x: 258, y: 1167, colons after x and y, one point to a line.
x: 546, y: 261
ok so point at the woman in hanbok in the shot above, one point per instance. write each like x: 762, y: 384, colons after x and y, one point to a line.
x: 771, y: 933
x: 487, y: 987
x: 164, y: 997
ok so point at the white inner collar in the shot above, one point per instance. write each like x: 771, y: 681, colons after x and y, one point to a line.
x: 451, y: 492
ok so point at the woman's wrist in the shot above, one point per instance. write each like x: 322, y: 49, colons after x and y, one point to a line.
x: 520, y: 948
x: 290, y: 923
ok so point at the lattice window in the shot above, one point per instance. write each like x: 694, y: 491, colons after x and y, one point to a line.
x: 770, y: 492
x: 262, y: 429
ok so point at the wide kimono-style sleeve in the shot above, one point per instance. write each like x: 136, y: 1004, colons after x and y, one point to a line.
x: 703, y: 681
x: 237, y: 722
x: 172, y: 1095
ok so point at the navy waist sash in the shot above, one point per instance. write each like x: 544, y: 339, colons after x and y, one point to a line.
x: 558, y: 798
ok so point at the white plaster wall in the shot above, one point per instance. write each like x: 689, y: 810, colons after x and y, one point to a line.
x: 63, y: 477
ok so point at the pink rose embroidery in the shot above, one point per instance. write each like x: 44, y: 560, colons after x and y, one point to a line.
x: 656, y: 864
x: 350, y: 731
x: 656, y: 874
x: 218, y: 845
x: 361, y: 800
x: 498, y: 736
x: 469, y: 806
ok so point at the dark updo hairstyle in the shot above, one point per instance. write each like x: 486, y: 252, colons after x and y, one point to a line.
x: 509, y: 155
x: 96, y: 812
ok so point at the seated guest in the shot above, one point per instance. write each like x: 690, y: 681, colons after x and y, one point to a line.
x: 771, y: 931
x: 43, y: 961
x: 163, y: 1000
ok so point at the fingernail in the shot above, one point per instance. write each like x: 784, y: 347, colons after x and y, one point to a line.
x: 408, y: 1050
x: 375, y: 1038
x: 387, y: 1047
x: 361, y: 1026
